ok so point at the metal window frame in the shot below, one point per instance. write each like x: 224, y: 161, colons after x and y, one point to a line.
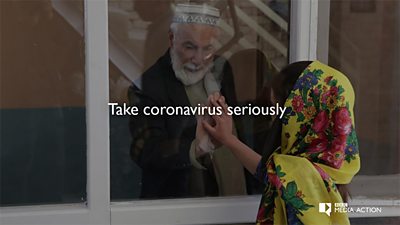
x: 97, y: 209
x: 303, y: 30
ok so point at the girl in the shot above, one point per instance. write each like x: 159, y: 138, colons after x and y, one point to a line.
x: 315, y: 153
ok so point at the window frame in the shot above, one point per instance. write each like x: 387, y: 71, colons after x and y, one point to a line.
x: 97, y: 208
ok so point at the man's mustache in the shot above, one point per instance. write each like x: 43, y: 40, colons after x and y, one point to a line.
x: 192, y: 67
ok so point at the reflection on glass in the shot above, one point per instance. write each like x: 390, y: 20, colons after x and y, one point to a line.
x: 247, y: 47
x: 372, y: 63
x: 42, y: 103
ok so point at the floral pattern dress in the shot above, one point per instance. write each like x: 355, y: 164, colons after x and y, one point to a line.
x: 318, y: 150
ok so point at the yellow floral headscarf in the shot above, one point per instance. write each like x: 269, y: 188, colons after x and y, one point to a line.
x: 318, y: 150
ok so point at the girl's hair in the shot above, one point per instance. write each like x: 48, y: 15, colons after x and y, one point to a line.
x: 282, y: 84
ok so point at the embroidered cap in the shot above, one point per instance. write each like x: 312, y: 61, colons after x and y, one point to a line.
x: 201, y: 14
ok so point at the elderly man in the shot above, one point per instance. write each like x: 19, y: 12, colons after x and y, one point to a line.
x: 174, y: 151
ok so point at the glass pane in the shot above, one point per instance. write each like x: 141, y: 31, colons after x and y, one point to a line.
x: 253, y: 41
x: 42, y: 103
x: 364, y: 44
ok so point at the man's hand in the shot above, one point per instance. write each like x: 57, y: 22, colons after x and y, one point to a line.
x: 213, y: 97
x: 204, y: 143
x: 222, y: 130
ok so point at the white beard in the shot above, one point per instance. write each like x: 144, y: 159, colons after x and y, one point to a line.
x: 181, y: 70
